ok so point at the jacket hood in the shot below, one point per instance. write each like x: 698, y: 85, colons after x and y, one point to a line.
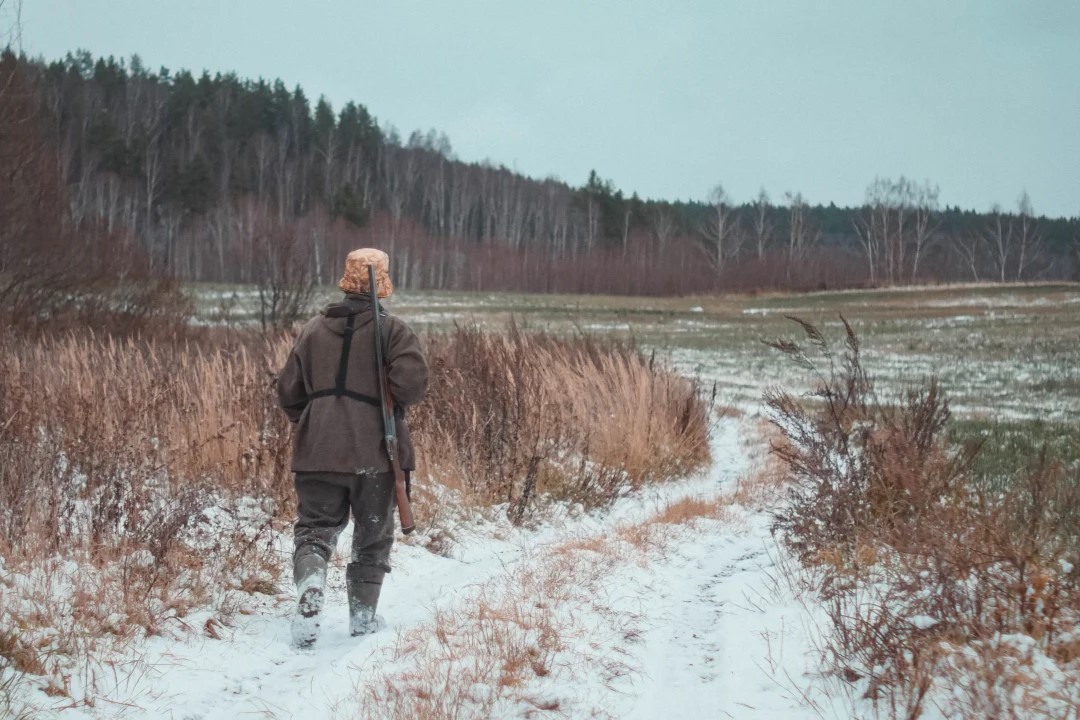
x: 335, y: 315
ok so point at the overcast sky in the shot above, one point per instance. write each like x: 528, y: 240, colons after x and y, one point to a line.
x: 664, y: 98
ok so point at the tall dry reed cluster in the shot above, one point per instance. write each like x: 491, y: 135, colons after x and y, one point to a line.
x: 101, y: 437
x: 520, y: 417
x: 940, y: 589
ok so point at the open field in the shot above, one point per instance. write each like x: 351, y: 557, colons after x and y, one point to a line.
x: 673, y: 584
x: 1011, y: 349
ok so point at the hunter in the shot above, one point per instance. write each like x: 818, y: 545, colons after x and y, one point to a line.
x: 330, y: 390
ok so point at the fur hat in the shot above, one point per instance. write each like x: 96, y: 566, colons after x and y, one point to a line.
x: 355, y: 279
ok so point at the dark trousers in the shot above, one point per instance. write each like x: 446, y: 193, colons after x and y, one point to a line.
x: 322, y: 511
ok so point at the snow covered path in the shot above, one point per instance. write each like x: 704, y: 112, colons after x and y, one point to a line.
x: 709, y: 637
x: 728, y: 643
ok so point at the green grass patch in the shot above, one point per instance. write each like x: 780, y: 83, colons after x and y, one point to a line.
x: 1008, y: 448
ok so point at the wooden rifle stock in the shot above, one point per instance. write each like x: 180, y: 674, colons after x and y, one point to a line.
x: 401, y: 491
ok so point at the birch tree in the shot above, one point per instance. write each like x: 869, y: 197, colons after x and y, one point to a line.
x: 663, y: 225
x: 925, y: 222
x: 720, y: 229
x: 763, y: 226
x: 802, y: 233
x: 896, y: 227
x: 998, y: 239
x: 1029, y: 239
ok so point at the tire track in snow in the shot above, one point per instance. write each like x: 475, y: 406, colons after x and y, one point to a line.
x: 720, y: 645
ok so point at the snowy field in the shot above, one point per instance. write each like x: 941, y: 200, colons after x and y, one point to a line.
x: 614, y: 614
x: 1011, y: 349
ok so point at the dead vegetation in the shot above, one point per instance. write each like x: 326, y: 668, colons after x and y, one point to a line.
x: 933, y: 580
x: 60, y: 268
x: 520, y: 419
x: 144, y: 478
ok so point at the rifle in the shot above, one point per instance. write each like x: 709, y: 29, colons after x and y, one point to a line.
x: 386, y: 400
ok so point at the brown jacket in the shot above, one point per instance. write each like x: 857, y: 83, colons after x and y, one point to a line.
x: 342, y: 433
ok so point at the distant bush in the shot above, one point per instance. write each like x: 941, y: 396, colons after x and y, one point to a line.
x: 923, y: 565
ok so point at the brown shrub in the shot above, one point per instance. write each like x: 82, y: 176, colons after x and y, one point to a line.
x: 915, y: 557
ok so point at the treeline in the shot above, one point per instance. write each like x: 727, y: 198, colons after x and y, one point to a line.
x: 60, y: 267
x: 225, y: 179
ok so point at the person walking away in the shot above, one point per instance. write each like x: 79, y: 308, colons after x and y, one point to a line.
x: 329, y: 390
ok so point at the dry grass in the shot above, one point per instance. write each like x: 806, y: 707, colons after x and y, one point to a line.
x: 506, y: 648
x: 464, y: 663
x: 518, y: 418
x: 142, y: 479
x: 686, y: 510
x: 106, y: 440
x: 69, y: 615
x: 111, y: 453
x: 922, y: 567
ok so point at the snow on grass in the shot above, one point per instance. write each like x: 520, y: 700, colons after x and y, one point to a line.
x: 75, y: 628
x: 645, y: 611
x: 698, y: 621
x: 979, y: 339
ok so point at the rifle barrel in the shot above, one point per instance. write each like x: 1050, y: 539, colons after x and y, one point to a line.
x: 401, y: 494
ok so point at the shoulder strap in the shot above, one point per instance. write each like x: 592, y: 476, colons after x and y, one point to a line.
x: 343, y: 364
x: 339, y: 389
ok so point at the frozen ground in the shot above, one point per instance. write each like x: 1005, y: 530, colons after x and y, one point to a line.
x: 696, y: 628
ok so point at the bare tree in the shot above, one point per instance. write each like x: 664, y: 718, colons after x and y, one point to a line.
x: 872, y: 227
x: 37, y: 269
x: 896, y: 227
x: 628, y: 214
x: 720, y: 229
x: 924, y: 208
x: 763, y: 226
x: 802, y: 233
x: 399, y: 172
x: 11, y: 15
x: 998, y: 239
x: 969, y: 250
x: 1029, y: 238
x: 286, y: 285
x: 664, y: 226
x: 50, y: 263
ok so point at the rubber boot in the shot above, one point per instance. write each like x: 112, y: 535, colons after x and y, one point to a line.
x: 364, y: 582
x: 310, y: 574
